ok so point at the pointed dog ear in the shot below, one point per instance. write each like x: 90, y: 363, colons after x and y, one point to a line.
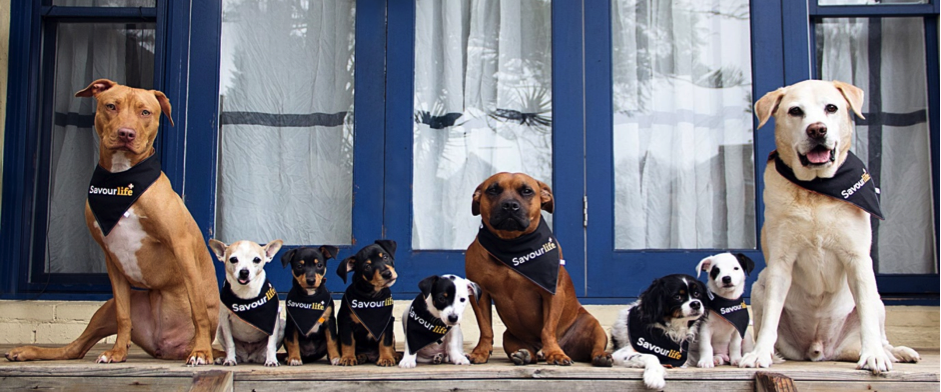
x: 747, y: 264
x: 345, y: 267
x: 545, y: 194
x: 427, y: 284
x: 768, y: 104
x: 97, y: 87
x: 272, y: 249
x: 218, y: 247
x: 704, y: 265
x: 329, y: 251
x: 388, y: 245
x: 287, y: 257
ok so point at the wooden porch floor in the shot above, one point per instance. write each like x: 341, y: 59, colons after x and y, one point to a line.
x: 143, y: 373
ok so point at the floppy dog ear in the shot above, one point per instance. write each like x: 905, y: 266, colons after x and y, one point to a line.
x: 747, y: 264
x: 218, y: 247
x: 475, y: 203
x: 704, y: 265
x: 164, y: 105
x: 345, y: 267
x: 272, y: 249
x: 853, y: 95
x: 767, y: 105
x: 473, y: 288
x: 97, y: 87
x: 287, y: 257
x: 427, y: 284
x: 545, y: 194
x: 651, y: 302
x: 329, y: 252
x: 388, y: 245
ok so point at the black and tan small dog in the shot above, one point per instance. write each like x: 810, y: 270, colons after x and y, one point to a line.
x: 365, y: 319
x: 311, y: 330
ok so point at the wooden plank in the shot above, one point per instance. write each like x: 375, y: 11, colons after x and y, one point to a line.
x: 212, y: 381
x: 97, y: 384
x: 841, y: 386
x: 773, y: 382
x: 490, y: 385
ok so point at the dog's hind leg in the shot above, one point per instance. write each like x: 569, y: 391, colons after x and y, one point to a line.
x: 518, y: 351
x: 102, y: 325
x: 586, y: 341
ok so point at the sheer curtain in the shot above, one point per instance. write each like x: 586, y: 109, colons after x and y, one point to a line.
x: 683, y: 139
x: 85, y: 52
x: 286, y: 142
x: 886, y: 58
x: 483, y: 104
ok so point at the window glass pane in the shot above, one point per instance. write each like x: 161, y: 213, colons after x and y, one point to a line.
x: 886, y: 58
x: 483, y: 104
x: 286, y: 140
x: 85, y: 52
x: 105, y: 3
x: 683, y: 139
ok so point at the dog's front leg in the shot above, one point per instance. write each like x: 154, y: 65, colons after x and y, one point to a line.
x: 333, y: 341
x: 274, y: 341
x: 387, y: 347
x: 552, y: 312
x: 456, y: 346
x: 704, y: 343
x: 122, y: 309
x: 347, y: 343
x: 483, y: 311
x: 768, y: 295
x: 225, y: 337
x: 862, y: 283
x: 735, y: 348
x: 653, y: 370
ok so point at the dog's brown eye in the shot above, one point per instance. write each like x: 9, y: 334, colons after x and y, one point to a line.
x: 678, y: 297
x: 526, y: 192
x: 233, y: 260
x: 796, y: 112
x: 111, y: 106
x: 256, y: 260
x: 145, y: 113
x: 695, y: 294
x: 831, y: 108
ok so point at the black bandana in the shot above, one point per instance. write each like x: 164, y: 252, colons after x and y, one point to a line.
x: 110, y: 195
x: 374, y: 312
x: 732, y: 310
x: 422, y: 328
x: 534, y: 255
x: 306, y: 311
x: 261, y: 311
x: 649, y: 340
x: 851, y: 183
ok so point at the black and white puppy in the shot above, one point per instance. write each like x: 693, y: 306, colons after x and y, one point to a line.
x: 432, y: 322
x: 656, y: 330
x: 250, y: 324
x: 724, y: 336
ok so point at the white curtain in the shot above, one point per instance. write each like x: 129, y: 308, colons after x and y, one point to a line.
x: 84, y: 53
x: 683, y: 139
x: 286, y: 143
x: 483, y: 104
x: 886, y: 58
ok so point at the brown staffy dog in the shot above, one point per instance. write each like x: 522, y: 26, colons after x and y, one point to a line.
x: 537, y: 321
x: 154, y: 244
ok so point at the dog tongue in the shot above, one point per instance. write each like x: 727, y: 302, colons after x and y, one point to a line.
x: 819, y: 156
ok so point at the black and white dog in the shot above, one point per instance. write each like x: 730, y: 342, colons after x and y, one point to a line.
x: 656, y: 330
x: 724, y: 337
x: 432, y: 322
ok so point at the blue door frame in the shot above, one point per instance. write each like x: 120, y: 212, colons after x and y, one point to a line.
x: 383, y: 139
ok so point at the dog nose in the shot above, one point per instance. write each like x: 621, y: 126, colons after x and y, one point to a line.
x: 726, y: 279
x: 243, y: 274
x: 126, y: 134
x: 311, y: 282
x: 387, y: 274
x: 695, y: 305
x: 817, y: 130
x: 511, y: 205
x: 452, y: 318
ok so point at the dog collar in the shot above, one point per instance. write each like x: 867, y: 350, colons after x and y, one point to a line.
x: 260, y: 312
x: 374, y: 312
x: 110, y: 195
x: 306, y: 311
x: 851, y: 183
x: 422, y: 327
x: 649, y: 340
x: 535, y: 255
x: 735, y: 311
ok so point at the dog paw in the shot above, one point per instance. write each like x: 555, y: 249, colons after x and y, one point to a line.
x: 602, y: 360
x: 294, y: 361
x: 227, y: 362
x: 272, y: 363
x: 385, y: 362
x: 362, y: 358
x: 876, y: 361
x: 438, y: 359
x: 558, y: 358
x: 706, y: 363
x: 408, y: 363
x: 905, y: 354
x: 479, y: 356
x: 199, y: 357
x: 348, y: 361
x: 19, y: 354
x: 757, y: 359
x: 334, y: 361
x: 460, y: 360
x: 112, y: 356
x: 735, y: 361
x: 521, y: 357
x: 653, y: 377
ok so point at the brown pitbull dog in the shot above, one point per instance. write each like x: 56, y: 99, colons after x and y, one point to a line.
x: 156, y: 245
x: 537, y: 322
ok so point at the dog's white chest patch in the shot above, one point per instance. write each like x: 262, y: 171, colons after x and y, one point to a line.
x: 124, y: 241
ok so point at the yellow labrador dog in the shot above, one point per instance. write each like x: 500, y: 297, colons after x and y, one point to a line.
x: 817, y: 298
